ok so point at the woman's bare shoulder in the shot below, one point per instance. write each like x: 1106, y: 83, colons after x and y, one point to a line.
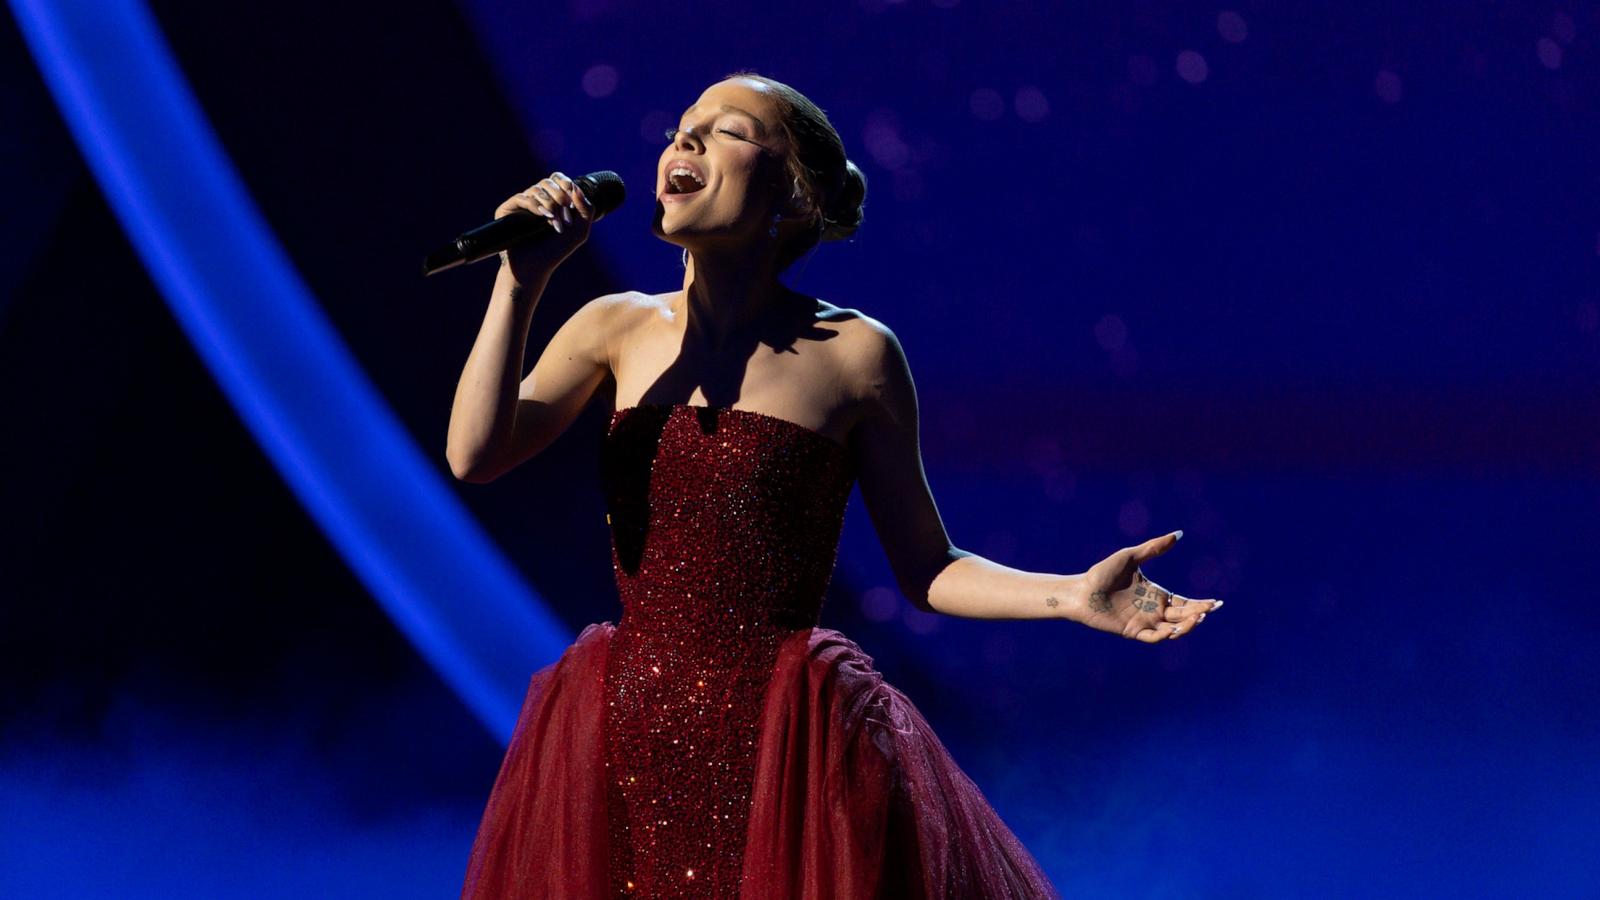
x: 848, y: 322
x: 631, y: 310
x: 618, y: 309
x: 864, y: 347
x: 638, y: 302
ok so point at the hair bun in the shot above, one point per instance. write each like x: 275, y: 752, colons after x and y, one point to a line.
x: 830, y: 187
x: 843, y: 215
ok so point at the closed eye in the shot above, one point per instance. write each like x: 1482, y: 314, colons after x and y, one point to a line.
x: 672, y: 134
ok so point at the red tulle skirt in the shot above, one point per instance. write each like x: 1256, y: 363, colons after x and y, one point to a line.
x: 854, y: 796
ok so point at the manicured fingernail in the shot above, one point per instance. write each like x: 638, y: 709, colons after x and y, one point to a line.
x: 1177, y: 535
x: 1217, y: 605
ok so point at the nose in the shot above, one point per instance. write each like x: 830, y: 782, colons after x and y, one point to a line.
x: 683, y: 139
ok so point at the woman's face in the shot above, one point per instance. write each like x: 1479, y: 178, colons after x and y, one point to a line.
x: 731, y: 140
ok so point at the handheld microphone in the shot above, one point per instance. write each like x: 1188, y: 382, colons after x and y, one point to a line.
x: 603, y: 190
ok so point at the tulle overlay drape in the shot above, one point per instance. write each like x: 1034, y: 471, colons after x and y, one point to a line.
x: 854, y: 796
x: 716, y: 742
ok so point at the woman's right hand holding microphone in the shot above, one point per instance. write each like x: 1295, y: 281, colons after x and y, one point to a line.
x: 559, y: 200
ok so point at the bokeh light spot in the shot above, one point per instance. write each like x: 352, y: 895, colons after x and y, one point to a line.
x: 1563, y: 28
x: 600, y: 81
x: 986, y: 104
x: 1232, y: 27
x: 881, y: 135
x: 1549, y: 53
x: 653, y: 127
x: 1111, y: 332
x: 1031, y: 104
x: 1387, y: 84
x: 1192, y: 67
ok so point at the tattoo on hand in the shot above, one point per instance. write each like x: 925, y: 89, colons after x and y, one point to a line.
x: 1100, y: 602
x: 1145, y: 603
x: 1052, y: 602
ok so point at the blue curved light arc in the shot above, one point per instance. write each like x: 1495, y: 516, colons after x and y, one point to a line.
x: 279, y: 361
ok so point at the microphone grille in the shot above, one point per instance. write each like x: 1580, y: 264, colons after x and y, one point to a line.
x: 604, y: 191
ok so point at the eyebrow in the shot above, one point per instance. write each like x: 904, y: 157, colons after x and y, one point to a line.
x: 760, y: 126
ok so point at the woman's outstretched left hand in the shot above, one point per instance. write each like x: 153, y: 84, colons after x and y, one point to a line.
x: 1117, y: 597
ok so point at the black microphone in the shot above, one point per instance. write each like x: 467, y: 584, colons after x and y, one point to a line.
x: 603, y: 190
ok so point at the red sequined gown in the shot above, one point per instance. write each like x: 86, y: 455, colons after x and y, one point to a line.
x: 717, y: 742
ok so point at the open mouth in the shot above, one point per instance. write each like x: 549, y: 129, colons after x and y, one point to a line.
x: 682, y: 180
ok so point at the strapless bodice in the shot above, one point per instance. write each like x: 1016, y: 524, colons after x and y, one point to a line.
x: 732, y: 513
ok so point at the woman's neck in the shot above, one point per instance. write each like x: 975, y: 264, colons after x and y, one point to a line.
x: 726, y: 296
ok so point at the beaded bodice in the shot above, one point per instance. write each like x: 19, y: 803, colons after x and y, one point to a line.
x: 725, y: 527
x: 714, y: 502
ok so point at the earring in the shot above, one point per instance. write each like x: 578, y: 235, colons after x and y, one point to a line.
x: 773, y: 231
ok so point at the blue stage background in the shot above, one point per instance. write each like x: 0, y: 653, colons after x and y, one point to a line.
x: 1319, y: 286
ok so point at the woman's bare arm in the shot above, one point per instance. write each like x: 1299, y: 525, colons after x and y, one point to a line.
x: 1113, y: 595
x: 933, y: 573
x: 494, y: 423
x: 497, y: 423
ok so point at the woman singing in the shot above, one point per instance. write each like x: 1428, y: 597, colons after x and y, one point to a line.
x: 716, y: 741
